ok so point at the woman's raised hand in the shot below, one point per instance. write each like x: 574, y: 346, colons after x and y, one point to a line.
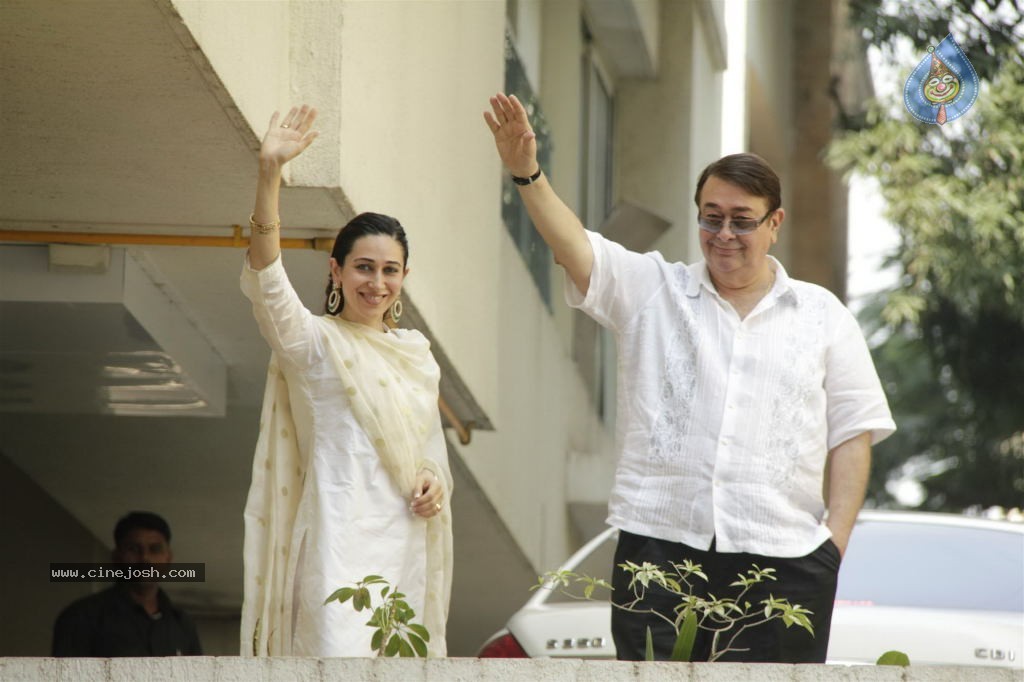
x: 284, y: 142
x: 513, y: 135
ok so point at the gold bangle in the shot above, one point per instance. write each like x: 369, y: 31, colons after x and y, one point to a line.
x: 263, y: 228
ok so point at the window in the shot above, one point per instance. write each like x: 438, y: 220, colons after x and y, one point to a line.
x: 596, y: 143
x: 933, y: 566
x: 531, y: 247
x: 593, y: 347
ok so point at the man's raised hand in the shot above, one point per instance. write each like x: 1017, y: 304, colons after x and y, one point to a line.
x: 513, y: 136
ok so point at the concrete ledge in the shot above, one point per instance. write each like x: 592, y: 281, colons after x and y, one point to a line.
x: 234, y: 669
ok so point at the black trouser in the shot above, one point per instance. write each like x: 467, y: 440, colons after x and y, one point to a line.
x: 809, y: 581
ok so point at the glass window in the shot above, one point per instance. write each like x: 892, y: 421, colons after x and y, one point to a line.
x: 531, y: 247
x: 593, y: 346
x: 596, y: 148
x: 933, y: 566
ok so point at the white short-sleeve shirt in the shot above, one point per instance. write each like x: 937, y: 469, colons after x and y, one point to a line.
x: 724, y: 425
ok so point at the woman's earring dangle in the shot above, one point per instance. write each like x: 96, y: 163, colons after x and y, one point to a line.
x: 334, y: 301
x: 395, y: 311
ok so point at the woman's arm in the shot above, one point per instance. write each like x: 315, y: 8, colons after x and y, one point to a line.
x: 281, y: 144
x: 283, y: 321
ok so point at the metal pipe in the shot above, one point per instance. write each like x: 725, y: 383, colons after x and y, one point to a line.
x: 460, y: 429
x: 236, y: 240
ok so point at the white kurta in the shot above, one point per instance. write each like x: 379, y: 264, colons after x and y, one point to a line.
x: 351, y: 520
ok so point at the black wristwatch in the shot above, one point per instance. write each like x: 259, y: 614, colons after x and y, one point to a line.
x: 527, y: 181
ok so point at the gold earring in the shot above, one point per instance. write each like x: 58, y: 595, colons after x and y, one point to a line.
x: 395, y: 311
x: 334, y: 301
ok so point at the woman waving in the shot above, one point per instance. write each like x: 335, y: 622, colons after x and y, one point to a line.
x: 350, y: 476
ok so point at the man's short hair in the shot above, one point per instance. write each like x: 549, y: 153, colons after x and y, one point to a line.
x: 748, y: 171
x: 140, y: 519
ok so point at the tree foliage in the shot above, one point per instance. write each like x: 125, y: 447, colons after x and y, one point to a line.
x: 952, y: 357
x: 987, y: 30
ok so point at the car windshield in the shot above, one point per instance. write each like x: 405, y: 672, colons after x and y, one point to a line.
x: 933, y: 566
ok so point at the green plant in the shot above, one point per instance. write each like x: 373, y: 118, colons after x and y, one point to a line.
x: 893, y: 658
x: 724, y: 617
x: 395, y: 634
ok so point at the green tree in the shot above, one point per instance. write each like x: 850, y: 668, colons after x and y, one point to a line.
x: 987, y: 30
x: 953, y: 330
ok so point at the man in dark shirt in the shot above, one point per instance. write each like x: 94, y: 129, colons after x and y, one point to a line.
x: 130, y: 618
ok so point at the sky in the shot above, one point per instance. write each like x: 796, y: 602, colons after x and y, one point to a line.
x: 870, y: 239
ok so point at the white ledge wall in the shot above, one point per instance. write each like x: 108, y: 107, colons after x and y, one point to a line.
x: 208, y: 668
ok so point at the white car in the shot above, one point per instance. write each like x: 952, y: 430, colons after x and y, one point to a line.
x: 944, y: 589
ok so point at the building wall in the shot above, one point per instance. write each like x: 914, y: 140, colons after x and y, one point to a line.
x: 668, y: 127
x: 174, y: 668
x: 769, y: 101
x: 791, y: 58
x: 36, y: 531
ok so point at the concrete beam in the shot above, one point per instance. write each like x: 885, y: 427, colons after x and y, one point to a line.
x: 493, y: 670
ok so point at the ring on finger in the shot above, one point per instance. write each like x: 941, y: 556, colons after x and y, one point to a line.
x: 437, y: 506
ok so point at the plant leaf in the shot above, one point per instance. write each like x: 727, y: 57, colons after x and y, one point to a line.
x: 420, y: 631
x: 683, y: 649
x: 392, y: 648
x: 649, y: 648
x: 361, y: 599
x: 893, y: 658
x: 375, y: 641
x: 342, y: 595
x: 418, y: 645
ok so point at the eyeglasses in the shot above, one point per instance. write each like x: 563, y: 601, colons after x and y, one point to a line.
x: 738, y: 226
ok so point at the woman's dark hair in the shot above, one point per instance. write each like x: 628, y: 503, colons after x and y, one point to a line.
x: 362, y: 225
x: 748, y: 171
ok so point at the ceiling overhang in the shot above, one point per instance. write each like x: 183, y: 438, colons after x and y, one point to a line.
x: 92, y: 329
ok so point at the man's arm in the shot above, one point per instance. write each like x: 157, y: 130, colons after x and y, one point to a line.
x: 846, y: 482
x: 557, y: 224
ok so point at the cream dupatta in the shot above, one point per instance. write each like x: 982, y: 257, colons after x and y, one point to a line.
x: 391, y: 382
